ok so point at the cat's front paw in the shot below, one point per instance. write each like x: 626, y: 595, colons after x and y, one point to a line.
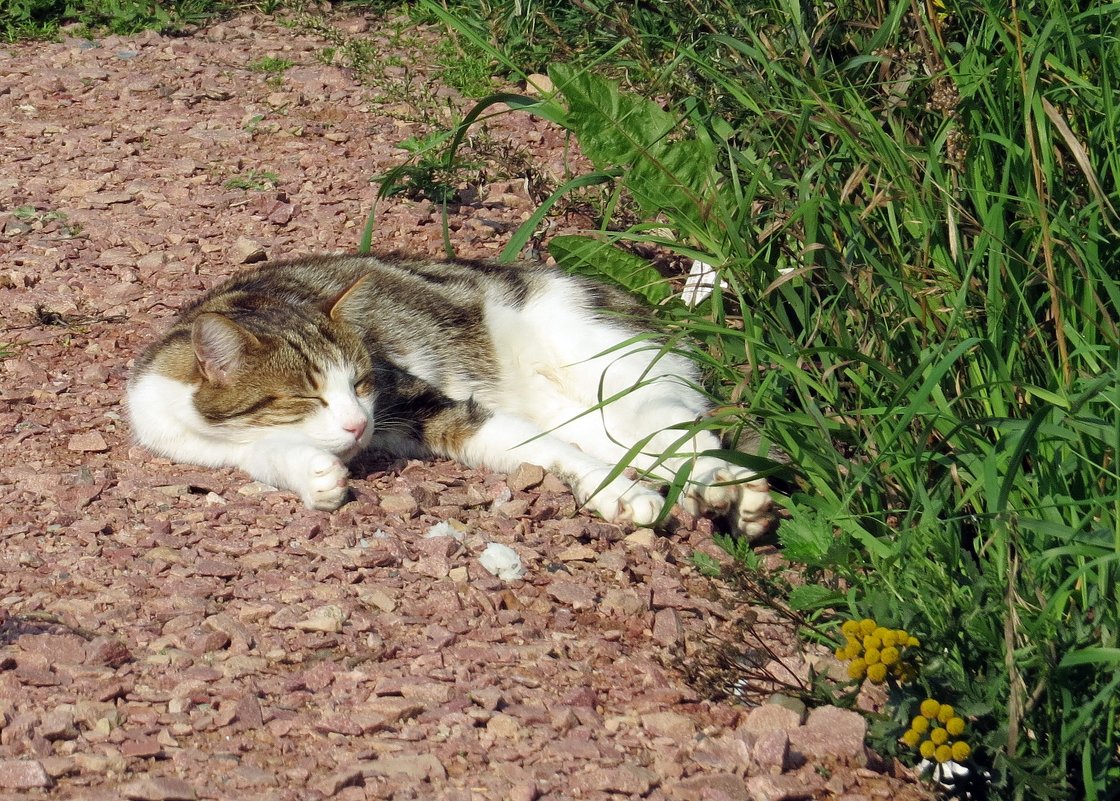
x: 324, y: 486
x: 734, y: 493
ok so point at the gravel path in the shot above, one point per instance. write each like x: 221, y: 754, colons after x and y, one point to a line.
x: 172, y: 633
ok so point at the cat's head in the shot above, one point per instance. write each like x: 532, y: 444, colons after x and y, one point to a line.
x: 308, y: 375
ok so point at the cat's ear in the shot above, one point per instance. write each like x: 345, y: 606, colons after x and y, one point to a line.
x: 220, y: 345
x: 332, y: 306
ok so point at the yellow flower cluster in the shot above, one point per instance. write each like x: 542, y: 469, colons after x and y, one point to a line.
x: 875, y: 652
x: 934, y: 733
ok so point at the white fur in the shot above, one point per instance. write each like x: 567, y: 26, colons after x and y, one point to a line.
x: 556, y: 362
x: 307, y: 458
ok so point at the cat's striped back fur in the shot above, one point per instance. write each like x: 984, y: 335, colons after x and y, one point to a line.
x: 289, y: 370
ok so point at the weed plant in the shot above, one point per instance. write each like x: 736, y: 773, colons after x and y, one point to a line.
x: 912, y: 206
x: 41, y: 19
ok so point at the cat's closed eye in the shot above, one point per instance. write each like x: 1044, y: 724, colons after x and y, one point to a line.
x: 364, y: 385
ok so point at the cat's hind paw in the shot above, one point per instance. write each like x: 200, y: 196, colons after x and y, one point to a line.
x: 733, y: 493
x: 325, y: 487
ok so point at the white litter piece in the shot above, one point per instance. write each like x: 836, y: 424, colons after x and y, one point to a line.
x: 701, y: 278
x: 502, y: 561
x: 448, y: 528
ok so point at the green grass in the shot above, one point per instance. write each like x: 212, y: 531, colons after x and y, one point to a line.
x: 271, y: 65
x: 42, y: 19
x: 915, y: 218
x: 253, y: 181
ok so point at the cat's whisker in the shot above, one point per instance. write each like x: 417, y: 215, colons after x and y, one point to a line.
x: 287, y: 369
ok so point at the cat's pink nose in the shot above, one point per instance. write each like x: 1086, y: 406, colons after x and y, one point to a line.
x: 355, y: 427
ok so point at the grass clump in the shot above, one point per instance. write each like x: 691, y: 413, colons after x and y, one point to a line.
x: 271, y: 65
x: 42, y: 19
x: 911, y: 209
x: 253, y: 181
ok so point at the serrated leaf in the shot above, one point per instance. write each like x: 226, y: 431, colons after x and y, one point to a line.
x: 810, y: 597
x: 665, y: 172
x: 598, y: 259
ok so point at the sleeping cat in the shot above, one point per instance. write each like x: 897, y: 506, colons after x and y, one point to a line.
x: 289, y: 370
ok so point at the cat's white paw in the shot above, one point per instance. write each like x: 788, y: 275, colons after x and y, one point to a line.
x: 624, y: 501
x: 325, y: 485
x: 728, y: 491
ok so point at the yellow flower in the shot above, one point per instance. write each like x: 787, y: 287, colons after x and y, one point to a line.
x: 871, y: 655
x: 888, y: 638
x: 930, y: 708
x: 955, y: 726
x: 912, y: 642
x: 850, y: 628
x: 867, y: 626
x: 920, y: 724
x: 872, y: 643
x: 911, y: 737
x: 857, y: 668
x: 943, y: 753
x: 880, y: 632
x: 926, y: 749
x: 961, y: 751
x: 902, y: 635
x: 889, y: 655
x: 939, y: 736
x: 945, y: 713
x: 877, y: 673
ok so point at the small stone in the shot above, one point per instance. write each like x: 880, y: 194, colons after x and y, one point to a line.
x: 525, y: 477
x: 672, y: 725
x: 577, y: 553
x: 504, y: 726
x: 23, y: 774
x: 402, y: 504
x: 488, y: 698
x: 779, y: 788
x: 771, y: 751
x: 413, y: 766
x: 247, y: 251
x: 623, y: 602
x: 327, y: 618
x: 216, y: 568
x: 58, y: 724
x: 255, y: 488
x: 667, y: 628
x: 88, y: 442
x: 628, y: 779
x: 539, y: 84
x: 523, y: 791
x: 107, y: 651
x: 379, y: 599
x: 159, y: 788
x: 350, y: 776
x: 570, y: 593
x: 830, y: 732
x: 141, y: 747
x: 770, y: 717
x: 644, y: 537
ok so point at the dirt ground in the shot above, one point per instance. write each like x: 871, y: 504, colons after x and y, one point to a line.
x: 168, y: 632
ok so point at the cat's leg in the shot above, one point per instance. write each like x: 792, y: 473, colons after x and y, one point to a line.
x: 291, y: 462
x: 659, y: 414
x: 470, y: 434
x: 165, y: 421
